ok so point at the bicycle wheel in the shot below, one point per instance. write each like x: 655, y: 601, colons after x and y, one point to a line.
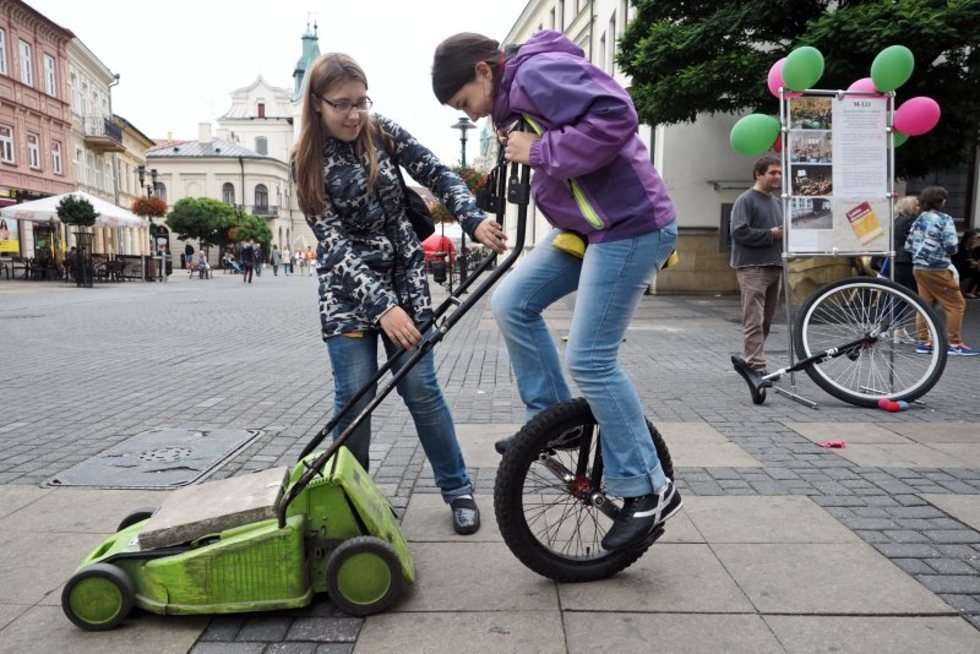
x: 547, y: 501
x: 885, y: 364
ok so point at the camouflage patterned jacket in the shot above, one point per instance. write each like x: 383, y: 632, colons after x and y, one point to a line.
x: 370, y: 259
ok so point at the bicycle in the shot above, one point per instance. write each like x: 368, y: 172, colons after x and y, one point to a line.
x: 856, y: 339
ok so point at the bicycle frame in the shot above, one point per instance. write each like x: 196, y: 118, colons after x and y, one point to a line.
x: 501, y: 189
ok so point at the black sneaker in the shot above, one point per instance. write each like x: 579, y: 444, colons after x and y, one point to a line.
x: 466, y: 515
x: 568, y: 440
x: 640, y: 516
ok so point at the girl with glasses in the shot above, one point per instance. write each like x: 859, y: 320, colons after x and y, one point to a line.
x: 372, y: 282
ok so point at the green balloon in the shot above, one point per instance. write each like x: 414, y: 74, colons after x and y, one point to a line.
x: 754, y: 134
x: 803, y: 68
x: 892, y: 67
x: 900, y: 139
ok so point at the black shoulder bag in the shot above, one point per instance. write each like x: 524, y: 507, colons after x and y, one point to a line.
x: 418, y: 212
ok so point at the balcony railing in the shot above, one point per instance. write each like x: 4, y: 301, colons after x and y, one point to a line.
x: 102, y: 134
x: 265, y: 210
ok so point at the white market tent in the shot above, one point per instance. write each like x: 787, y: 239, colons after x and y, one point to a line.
x: 43, y: 210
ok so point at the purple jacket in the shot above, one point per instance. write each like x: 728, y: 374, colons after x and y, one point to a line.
x: 589, y: 133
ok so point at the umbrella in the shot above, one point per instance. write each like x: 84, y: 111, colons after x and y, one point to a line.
x: 438, y: 243
x: 43, y: 210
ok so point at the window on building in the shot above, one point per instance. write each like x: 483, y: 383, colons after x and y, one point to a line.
x: 624, y: 15
x: 561, y: 15
x: 78, y: 156
x: 261, y: 197
x: 56, y: 158
x: 3, y: 52
x: 83, y: 105
x: 611, y: 66
x: 602, y: 52
x: 228, y: 193
x: 34, y: 151
x: 261, y: 109
x: 160, y: 190
x: 26, y: 64
x: 76, y: 96
x: 7, y: 144
x: 551, y: 18
x: 96, y: 164
x: 109, y: 180
x: 50, y: 79
x: 261, y: 145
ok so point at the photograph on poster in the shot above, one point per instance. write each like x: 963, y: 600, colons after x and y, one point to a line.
x: 811, y: 147
x: 813, y: 180
x: 811, y: 213
x: 810, y: 113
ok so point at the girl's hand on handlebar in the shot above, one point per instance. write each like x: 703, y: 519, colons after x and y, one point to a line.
x: 399, y: 327
x: 518, y: 148
x: 492, y: 235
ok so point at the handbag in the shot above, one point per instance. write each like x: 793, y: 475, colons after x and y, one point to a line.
x: 415, y: 207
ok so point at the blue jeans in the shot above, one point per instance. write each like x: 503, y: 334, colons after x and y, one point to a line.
x: 610, y: 281
x: 355, y: 362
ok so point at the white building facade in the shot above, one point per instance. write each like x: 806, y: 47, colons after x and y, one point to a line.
x: 95, y: 137
x: 260, y: 119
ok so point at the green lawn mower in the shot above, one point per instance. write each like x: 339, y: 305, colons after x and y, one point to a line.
x: 272, y: 539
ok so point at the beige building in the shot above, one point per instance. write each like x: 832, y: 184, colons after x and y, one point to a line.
x: 242, y: 178
x: 125, y: 165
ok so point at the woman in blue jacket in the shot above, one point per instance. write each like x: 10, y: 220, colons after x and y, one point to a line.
x: 592, y: 176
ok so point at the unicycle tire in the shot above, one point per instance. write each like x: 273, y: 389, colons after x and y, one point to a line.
x: 519, y: 464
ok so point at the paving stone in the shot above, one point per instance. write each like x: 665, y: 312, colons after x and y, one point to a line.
x: 267, y: 629
x: 223, y: 628
x: 951, y: 583
x: 631, y: 632
x: 774, y: 520
x: 325, y: 630
x: 291, y: 648
x: 848, y: 578
x: 963, y: 603
x: 914, y: 566
x: 951, y: 567
x: 477, y: 632
x: 966, y: 509
x: 826, y: 635
x: 954, y: 535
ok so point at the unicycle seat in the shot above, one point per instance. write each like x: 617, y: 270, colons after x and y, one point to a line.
x: 212, y: 507
x: 757, y: 385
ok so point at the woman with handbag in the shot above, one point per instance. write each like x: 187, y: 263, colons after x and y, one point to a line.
x: 372, y: 281
x: 593, y: 180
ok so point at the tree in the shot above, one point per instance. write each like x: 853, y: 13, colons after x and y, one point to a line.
x: 203, y: 219
x: 76, y: 211
x: 688, y: 57
x: 252, y: 228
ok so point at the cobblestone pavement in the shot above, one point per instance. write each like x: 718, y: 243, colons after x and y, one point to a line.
x: 86, y: 369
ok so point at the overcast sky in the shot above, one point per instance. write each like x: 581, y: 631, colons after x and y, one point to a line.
x: 178, y: 61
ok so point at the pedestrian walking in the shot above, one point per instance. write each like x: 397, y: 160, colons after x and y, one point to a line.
x: 932, y: 241
x: 757, y: 245
x: 584, y: 137
x: 247, y: 257
x: 906, y: 211
x: 297, y: 262
x: 287, y: 261
x: 967, y: 262
x: 373, y: 285
x: 188, y: 256
x: 259, y: 259
x: 309, y: 257
x: 276, y: 260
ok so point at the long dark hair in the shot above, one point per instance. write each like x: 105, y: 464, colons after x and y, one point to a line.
x: 453, y: 65
x: 328, y: 70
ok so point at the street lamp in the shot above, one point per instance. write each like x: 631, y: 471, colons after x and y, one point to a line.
x: 463, y: 125
x: 141, y: 171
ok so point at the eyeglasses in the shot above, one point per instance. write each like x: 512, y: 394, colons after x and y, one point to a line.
x: 345, y: 106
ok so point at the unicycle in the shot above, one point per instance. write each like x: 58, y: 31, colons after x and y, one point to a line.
x: 856, y: 339
x: 550, y: 497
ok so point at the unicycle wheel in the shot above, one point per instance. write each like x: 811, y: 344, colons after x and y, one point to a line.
x: 551, y: 505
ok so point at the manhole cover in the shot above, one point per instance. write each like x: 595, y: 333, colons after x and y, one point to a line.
x: 159, y: 458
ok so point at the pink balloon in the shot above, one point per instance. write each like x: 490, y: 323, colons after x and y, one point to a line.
x: 917, y: 116
x: 775, y: 80
x: 863, y: 85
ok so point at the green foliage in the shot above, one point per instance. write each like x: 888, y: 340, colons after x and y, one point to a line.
x: 203, y: 219
x: 688, y: 57
x: 74, y: 210
x: 253, y: 228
